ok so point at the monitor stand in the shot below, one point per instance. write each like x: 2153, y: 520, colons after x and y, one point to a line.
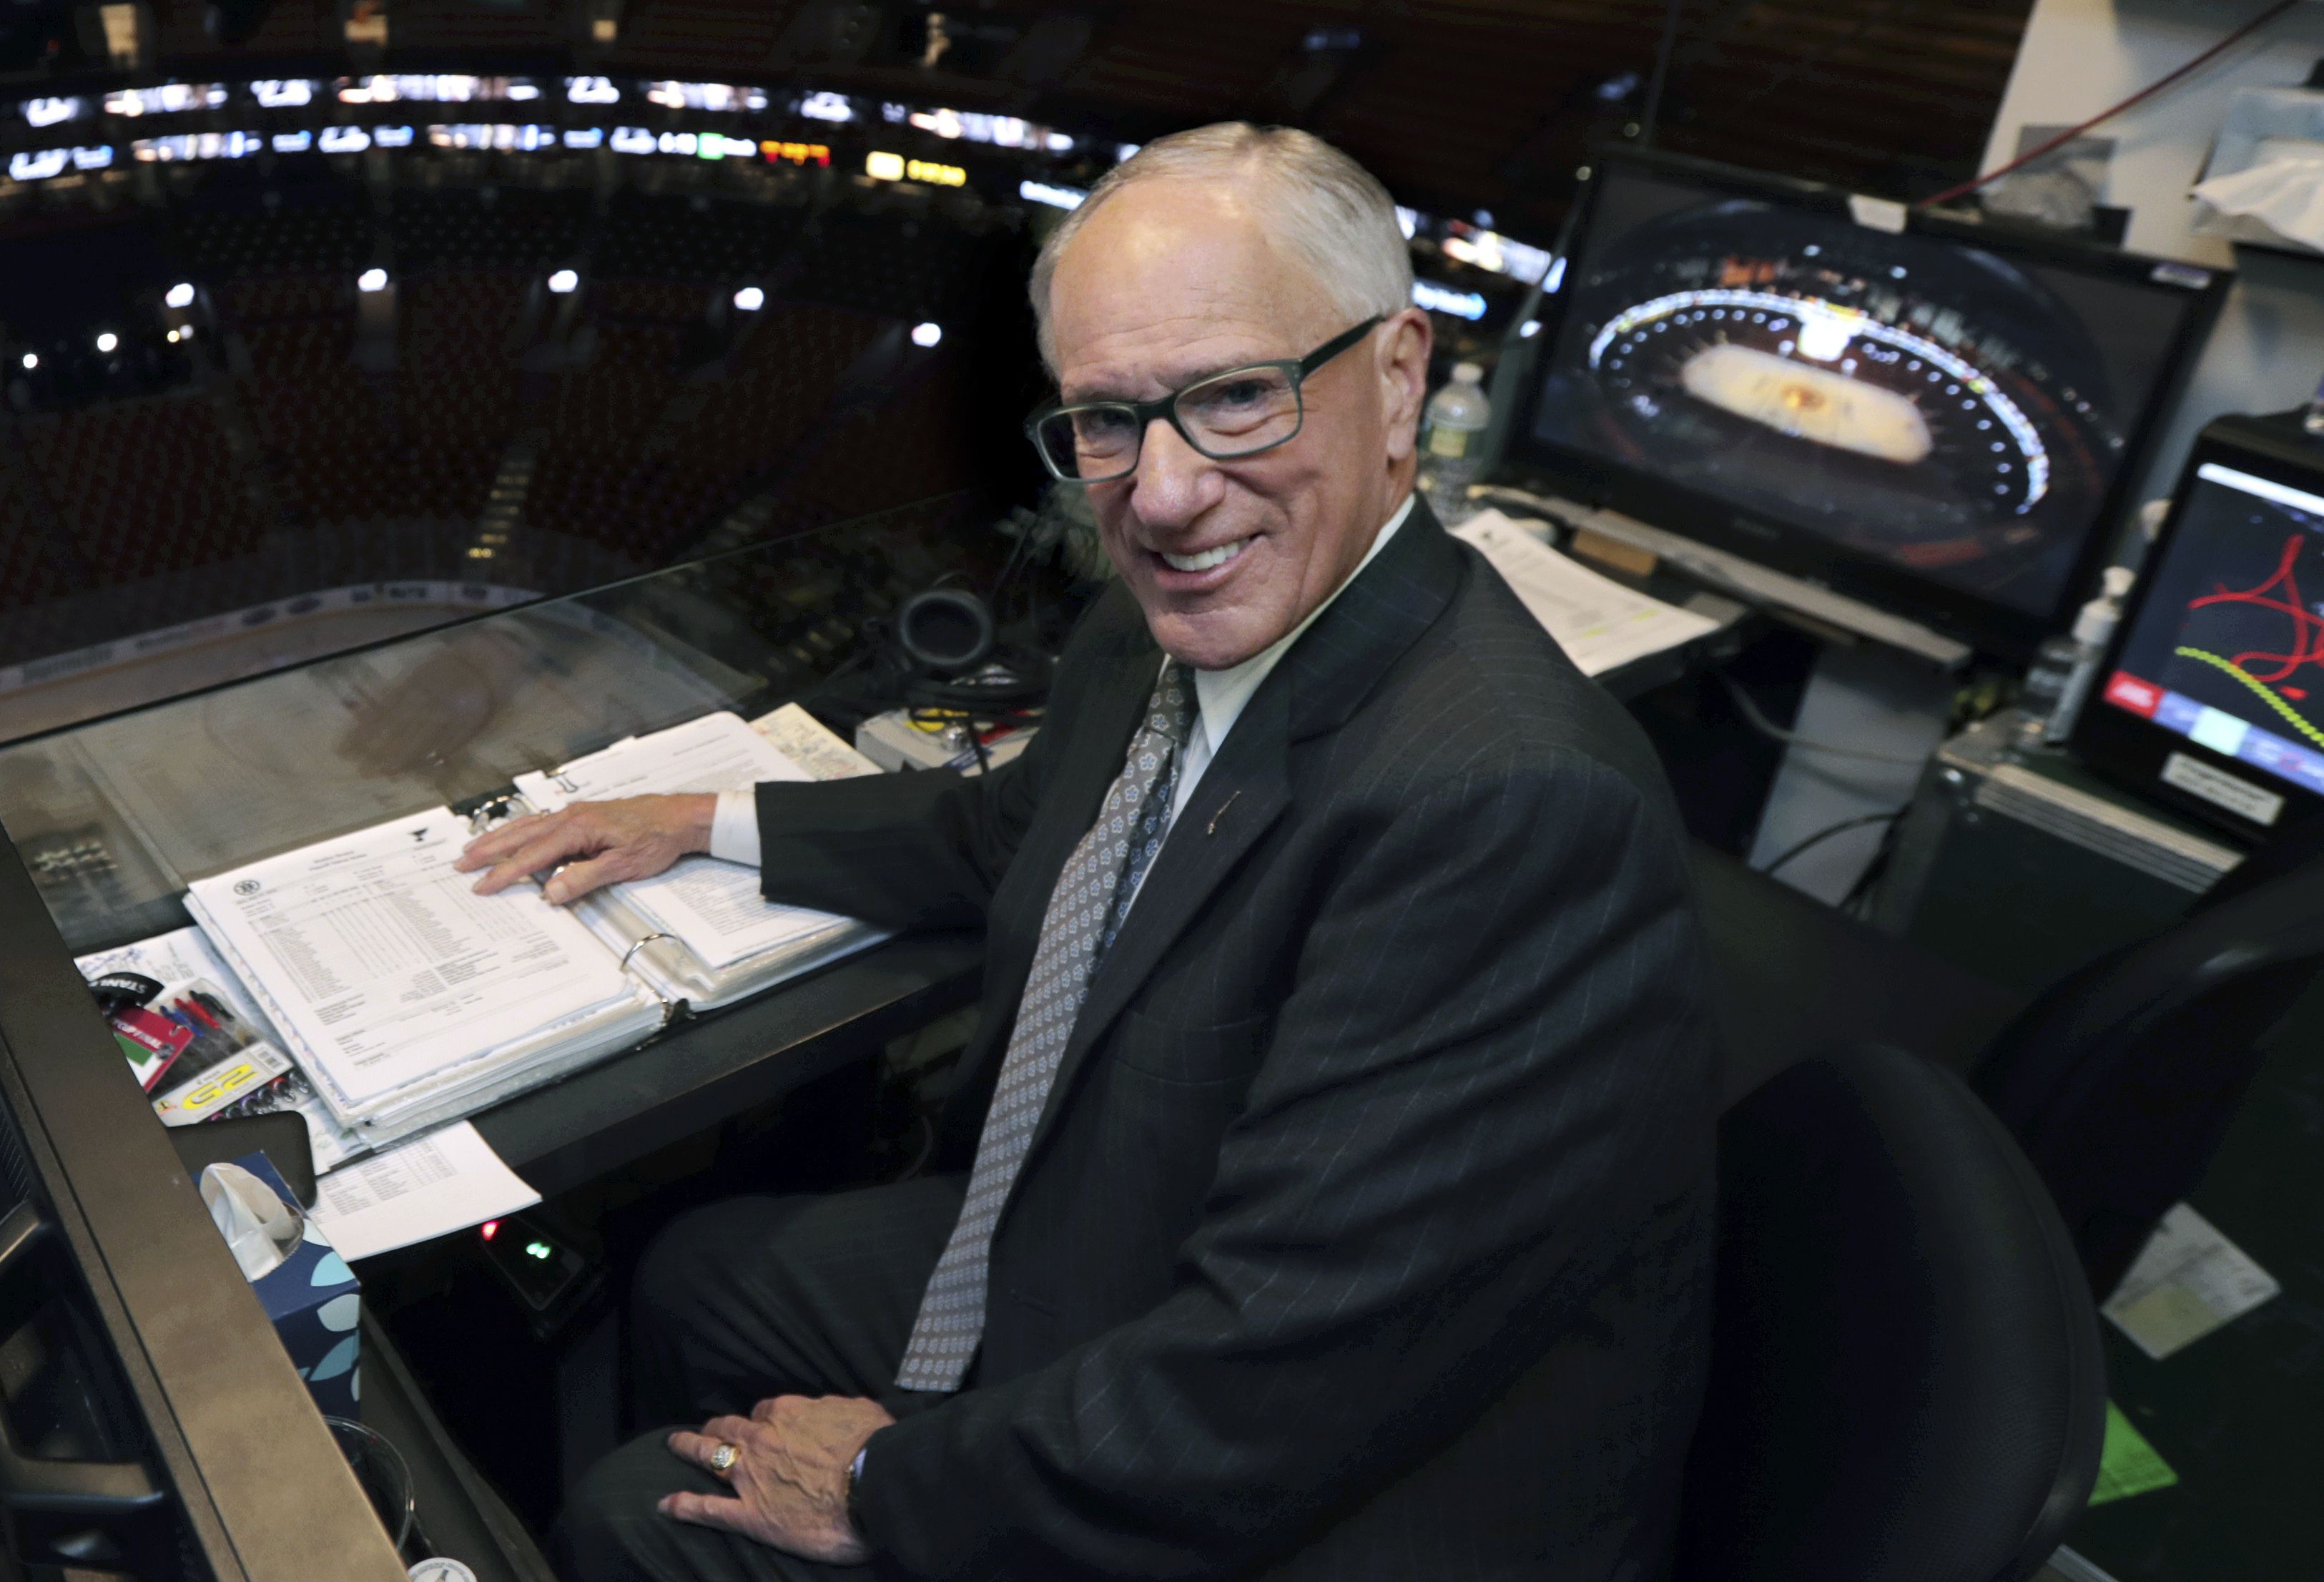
x: 1758, y: 583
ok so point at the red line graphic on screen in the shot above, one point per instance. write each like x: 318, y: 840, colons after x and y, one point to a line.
x: 2268, y: 673
x: 2307, y: 626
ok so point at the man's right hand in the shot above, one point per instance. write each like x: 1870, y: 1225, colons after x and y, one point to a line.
x: 600, y: 843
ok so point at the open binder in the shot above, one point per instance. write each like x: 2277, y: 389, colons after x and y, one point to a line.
x: 409, y: 1000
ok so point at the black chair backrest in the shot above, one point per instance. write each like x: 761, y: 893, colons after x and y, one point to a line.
x: 1905, y: 1377
x: 2120, y: 1080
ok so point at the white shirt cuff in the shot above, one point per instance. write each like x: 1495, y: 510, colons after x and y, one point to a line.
x: 735, y: 831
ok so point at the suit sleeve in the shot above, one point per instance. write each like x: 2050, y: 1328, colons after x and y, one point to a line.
x: 1492, y: 1066
x: 918, y: 850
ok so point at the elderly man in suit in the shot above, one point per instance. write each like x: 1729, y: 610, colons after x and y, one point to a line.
x: 1331, y: 1196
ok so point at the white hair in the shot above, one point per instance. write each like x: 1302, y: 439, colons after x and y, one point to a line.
x: 1327, y: 211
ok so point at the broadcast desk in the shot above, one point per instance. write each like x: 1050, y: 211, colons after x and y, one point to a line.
x: 207, y: 1458
x: 200, y: 1454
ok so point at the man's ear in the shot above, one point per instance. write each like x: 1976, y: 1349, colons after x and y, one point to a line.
x: 1402, y: 361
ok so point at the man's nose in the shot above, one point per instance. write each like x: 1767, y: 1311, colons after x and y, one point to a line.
x: 1174, y: 482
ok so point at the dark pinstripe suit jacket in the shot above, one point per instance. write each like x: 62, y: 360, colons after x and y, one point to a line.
x: 1366, y: 1233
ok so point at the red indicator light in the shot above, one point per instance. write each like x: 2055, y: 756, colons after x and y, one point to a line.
x: 491, y: 1228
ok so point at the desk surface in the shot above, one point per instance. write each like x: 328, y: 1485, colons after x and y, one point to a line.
x: 113, y: 816
x: 709, y: 1068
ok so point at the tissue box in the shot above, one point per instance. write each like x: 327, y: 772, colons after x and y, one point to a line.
x: 314, y: 1304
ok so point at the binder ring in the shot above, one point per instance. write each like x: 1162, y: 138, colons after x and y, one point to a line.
x: 639, y: 946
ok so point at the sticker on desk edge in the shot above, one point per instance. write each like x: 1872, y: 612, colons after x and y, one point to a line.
x: 2188, y: 1282
x: 1877, y: 214
x: 2217, y: 786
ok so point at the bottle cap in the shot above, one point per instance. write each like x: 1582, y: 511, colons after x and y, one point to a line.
x: 1467, y: 373
x: 2099, y: 618
x: 439, y: 1569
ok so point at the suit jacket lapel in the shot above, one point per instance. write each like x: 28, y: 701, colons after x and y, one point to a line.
x: 1242, y: 792
x: 1318, y: 684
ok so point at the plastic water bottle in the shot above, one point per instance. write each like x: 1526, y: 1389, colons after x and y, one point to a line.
x: 1452, y: 443
x: 2054, y: 663
x: 2093, y: 630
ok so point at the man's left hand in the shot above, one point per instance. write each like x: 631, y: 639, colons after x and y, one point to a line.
x: 789, y: 1475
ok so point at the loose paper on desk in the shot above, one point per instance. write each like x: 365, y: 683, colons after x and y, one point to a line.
x: 811, y: 745
x: 1600, y: 625
x: 713, y: 907
x: 387, y: 969
x: 415, y: 1191
x: 2188, y: 1282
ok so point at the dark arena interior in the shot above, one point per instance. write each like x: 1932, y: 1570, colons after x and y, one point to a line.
x: 641, y: 294
x: 1591, y: 849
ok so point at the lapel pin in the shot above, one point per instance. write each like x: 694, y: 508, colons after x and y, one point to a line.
x: 1221, y: 813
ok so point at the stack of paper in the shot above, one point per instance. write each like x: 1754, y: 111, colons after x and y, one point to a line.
x: 410, y: 1000
x: 734, y: 940
x: 407, y: 998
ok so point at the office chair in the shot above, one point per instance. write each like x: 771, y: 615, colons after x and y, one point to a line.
x: 2120, y: 1080
x: 1905, y: 1382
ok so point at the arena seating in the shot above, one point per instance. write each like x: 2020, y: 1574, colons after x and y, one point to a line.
x: 668, y: 409
x: 455, y: 384
x: 142, y: 487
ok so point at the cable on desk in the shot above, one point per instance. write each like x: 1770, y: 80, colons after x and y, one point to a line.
x: 1821, y: 836
x: 1858, y: 901
x: 1769, y: 728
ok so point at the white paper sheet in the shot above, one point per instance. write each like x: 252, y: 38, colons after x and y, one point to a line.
x: 713, y: 907
x: 2189, y: 1280
x: 184, y: 953
x: 386, y: 969
x: 415, y: 1191
x: 1600, y: 625
x: 811, y: 745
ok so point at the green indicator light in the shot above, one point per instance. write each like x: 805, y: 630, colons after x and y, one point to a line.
x: 541, y: 1250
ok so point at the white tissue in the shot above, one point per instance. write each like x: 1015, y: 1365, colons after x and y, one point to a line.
x: 2286, y: 195
x: 260, y: 1228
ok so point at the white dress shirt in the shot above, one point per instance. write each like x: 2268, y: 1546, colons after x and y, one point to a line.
x: 1220, y: 698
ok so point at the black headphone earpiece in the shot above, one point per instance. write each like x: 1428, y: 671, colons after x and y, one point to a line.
x: 945, y: 630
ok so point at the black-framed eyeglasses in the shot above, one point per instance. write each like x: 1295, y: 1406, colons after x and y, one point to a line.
x: 1224, y: 416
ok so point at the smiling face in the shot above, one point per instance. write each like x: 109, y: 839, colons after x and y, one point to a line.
x: 1173, y: 280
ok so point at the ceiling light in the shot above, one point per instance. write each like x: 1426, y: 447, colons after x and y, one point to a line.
x: 107, y: 341
x: 565, y: 281
x: 181, y: 295
x: 31, y: 361
x: 371, y: 280
x: 749, y: 299
x: 927, y: 334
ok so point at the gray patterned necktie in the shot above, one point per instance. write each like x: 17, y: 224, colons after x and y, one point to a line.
x: 1085, y: 911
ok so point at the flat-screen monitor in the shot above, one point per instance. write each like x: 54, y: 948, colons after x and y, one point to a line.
x: 2212, y: 696
x: 1939, y: 420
